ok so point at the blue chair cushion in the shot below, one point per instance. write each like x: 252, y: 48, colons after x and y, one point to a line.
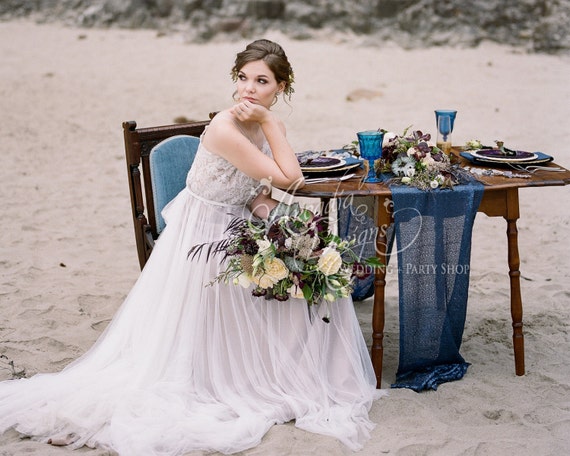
x: 170, y: 161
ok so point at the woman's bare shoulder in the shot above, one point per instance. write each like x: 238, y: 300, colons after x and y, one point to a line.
x: 222, y: 134
x: 222, y: 118
x: 221, y: 125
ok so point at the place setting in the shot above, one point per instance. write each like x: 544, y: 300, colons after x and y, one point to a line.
x: 326, y: 165
x: 499, y: 160
x: 412, y: 159
x: 502, y: 156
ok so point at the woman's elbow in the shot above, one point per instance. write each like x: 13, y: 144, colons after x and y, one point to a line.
x: 290, y: 184
x: 297, y: 182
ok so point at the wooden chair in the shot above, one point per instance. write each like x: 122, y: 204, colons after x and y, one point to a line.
x: 146, y: 201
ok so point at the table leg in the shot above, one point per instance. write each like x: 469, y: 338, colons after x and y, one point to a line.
x: 514, y: 274
x: 383, y: 220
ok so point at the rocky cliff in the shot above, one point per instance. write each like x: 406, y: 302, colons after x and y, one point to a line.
x: 533, y: 25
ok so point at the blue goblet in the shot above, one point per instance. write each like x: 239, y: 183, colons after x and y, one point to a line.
x: 445, y: 112
x: 370, y: 143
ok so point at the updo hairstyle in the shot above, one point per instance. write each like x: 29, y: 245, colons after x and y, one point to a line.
x: 274, y: 57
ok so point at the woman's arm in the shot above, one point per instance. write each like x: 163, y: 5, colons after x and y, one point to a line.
x: 224, y: 138
x: 262, y: 204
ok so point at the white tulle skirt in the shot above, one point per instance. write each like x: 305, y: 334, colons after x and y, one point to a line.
x: 184, y: 366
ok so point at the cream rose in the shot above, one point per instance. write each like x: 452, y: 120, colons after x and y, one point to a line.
x: 263, y: 280
x: 276, y: 268
x: 329, y: 262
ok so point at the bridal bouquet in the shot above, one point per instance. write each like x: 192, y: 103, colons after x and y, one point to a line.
x: 414, y: 160
x: 291, y: 254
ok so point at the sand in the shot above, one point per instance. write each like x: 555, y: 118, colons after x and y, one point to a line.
x: 67, y: 250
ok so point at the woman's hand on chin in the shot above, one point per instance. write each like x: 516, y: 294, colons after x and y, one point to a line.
x: 246, y: 111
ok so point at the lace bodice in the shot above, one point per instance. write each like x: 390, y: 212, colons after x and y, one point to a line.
x: 215, y: 179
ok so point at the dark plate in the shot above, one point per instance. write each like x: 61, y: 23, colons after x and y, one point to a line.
x: 321, y: 163
x: 541, y: 158
x: 346, y: 162
x: 339, y: 171
x: 500, y: 156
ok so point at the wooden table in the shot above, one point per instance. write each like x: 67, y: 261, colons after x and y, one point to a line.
x: 500, y: 199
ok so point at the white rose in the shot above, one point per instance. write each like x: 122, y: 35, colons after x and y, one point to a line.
x: 440, y: 179
x: 434, y: 184
x: 329, y: 262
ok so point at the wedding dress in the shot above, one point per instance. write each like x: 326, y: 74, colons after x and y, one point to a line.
x: 186, y: 366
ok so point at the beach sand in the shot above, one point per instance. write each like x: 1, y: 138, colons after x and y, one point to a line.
x: 68, y: 256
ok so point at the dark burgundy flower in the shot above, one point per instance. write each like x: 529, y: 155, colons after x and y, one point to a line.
x: 275, y: 234
x: 321, y: 224
x: 361, y: 271
x: 438, y: 157
x: 258, y: 292
x: 250, y: 247
x: 424, y: 148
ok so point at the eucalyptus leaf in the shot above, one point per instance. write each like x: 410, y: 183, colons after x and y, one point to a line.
x: 282, y: 210
x: 294, y: 264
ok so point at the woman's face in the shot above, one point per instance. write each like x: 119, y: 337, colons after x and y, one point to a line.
x: 257, y: 84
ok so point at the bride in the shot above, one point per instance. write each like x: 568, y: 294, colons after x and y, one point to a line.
x: 183, y: 366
